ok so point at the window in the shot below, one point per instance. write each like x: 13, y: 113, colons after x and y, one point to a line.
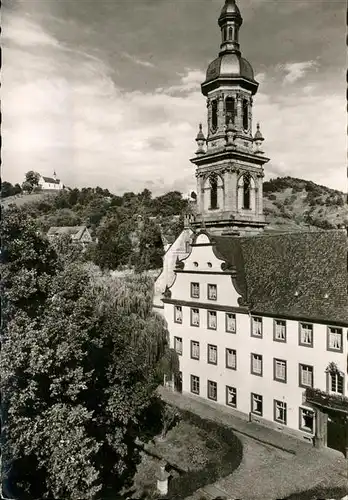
x: 231, y: 396
x: 231, y: 359
x: 230, y: 110
x: 187, y: 247
x: 245, y: 114
x: 212, y: 390
x: 256, y: 364
x: 178, y: 345
x: 335, y: 339
x: 336, y: 382
x: 279, y: 330
x: 279, y: 370
x: 194, y: 349
x: 212, y: 354
x: 230, y: 34
x: 212, y: 320
x: 246, y: 192
x: 280, y: 412
x: 194, y: 317
x: 306, y: 334
x: 256, y: 404
x: 213, y: 192
x: 177, y: 314
x: 306, y: 420
x: 306, y: 376
x: 212, y: 292
x: 230, y: 323
x: 194, y: 384
x: 195, y: 290
x: 214, y: 115
x: 256, y: 327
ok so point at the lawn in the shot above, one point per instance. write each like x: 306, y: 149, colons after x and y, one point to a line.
x: 198, y: 452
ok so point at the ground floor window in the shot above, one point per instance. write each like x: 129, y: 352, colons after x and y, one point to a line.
x: 256, y: 404
x: 280, y: 412
x: 306, y: 420
x: 212, y: 390
x: 231, y: 396
x: 194, y: 384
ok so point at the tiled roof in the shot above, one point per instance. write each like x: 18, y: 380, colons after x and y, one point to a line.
x: 74, y: 231
x: 291, y: 275
x: 51, y: 180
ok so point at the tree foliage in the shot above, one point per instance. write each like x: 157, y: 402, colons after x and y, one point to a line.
x: 7, y: 189
x: 81, y: 358
x: 31, y: 181
x: 150, y: 247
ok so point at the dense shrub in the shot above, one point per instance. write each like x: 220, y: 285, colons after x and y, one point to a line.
x: 226, y: 447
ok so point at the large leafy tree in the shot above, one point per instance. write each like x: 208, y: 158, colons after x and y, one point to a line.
x: 82, y: 355
x: 31, y: 180
x: 150, y: 247
x: 114, y: 246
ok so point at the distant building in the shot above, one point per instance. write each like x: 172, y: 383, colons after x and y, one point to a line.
x: 50, y: 183
x: 259, y: 319
x: 78, y: 234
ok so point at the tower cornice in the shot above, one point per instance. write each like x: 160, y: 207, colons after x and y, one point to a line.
x: 210, y: 158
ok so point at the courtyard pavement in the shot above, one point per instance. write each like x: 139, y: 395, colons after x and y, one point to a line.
x: 274, y: 465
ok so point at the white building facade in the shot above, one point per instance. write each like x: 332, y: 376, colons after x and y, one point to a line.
x: 50, y: 183
x: 257, y: 364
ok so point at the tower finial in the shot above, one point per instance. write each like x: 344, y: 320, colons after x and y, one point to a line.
x: 200, y: 139
x: 258, y: 139
x: 230, y: 21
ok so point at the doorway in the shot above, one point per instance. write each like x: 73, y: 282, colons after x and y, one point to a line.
x: 337, y: 432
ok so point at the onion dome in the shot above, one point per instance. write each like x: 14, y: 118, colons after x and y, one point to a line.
x: 230, y: 66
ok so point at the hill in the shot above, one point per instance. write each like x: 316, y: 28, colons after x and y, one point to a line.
x: 22, y: 199
x: 291, y: 203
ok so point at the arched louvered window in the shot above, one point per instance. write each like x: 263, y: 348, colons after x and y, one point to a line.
x: 245, y: 114
x: 230, y: 109
x: 214, y: 115
x: 230, y: 34
x: 246, y: 191
x: 213, y: 192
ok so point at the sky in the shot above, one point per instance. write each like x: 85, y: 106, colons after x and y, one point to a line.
x: 108, y: 92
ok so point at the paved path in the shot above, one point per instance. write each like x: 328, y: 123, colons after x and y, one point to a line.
x: 274, y: 465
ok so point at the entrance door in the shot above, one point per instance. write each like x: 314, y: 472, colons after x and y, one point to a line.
x: 178, y: 382
x: 336, y: 433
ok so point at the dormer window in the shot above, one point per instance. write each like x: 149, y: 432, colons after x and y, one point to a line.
x: 214, y: 115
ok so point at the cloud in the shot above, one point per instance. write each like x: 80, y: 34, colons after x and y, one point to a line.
x: 27, y: 34
x: 146, y: 64
x: 65, y: 109
x: 296, y: 71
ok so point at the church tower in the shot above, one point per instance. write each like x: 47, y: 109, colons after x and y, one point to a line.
x: 230, y: 160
